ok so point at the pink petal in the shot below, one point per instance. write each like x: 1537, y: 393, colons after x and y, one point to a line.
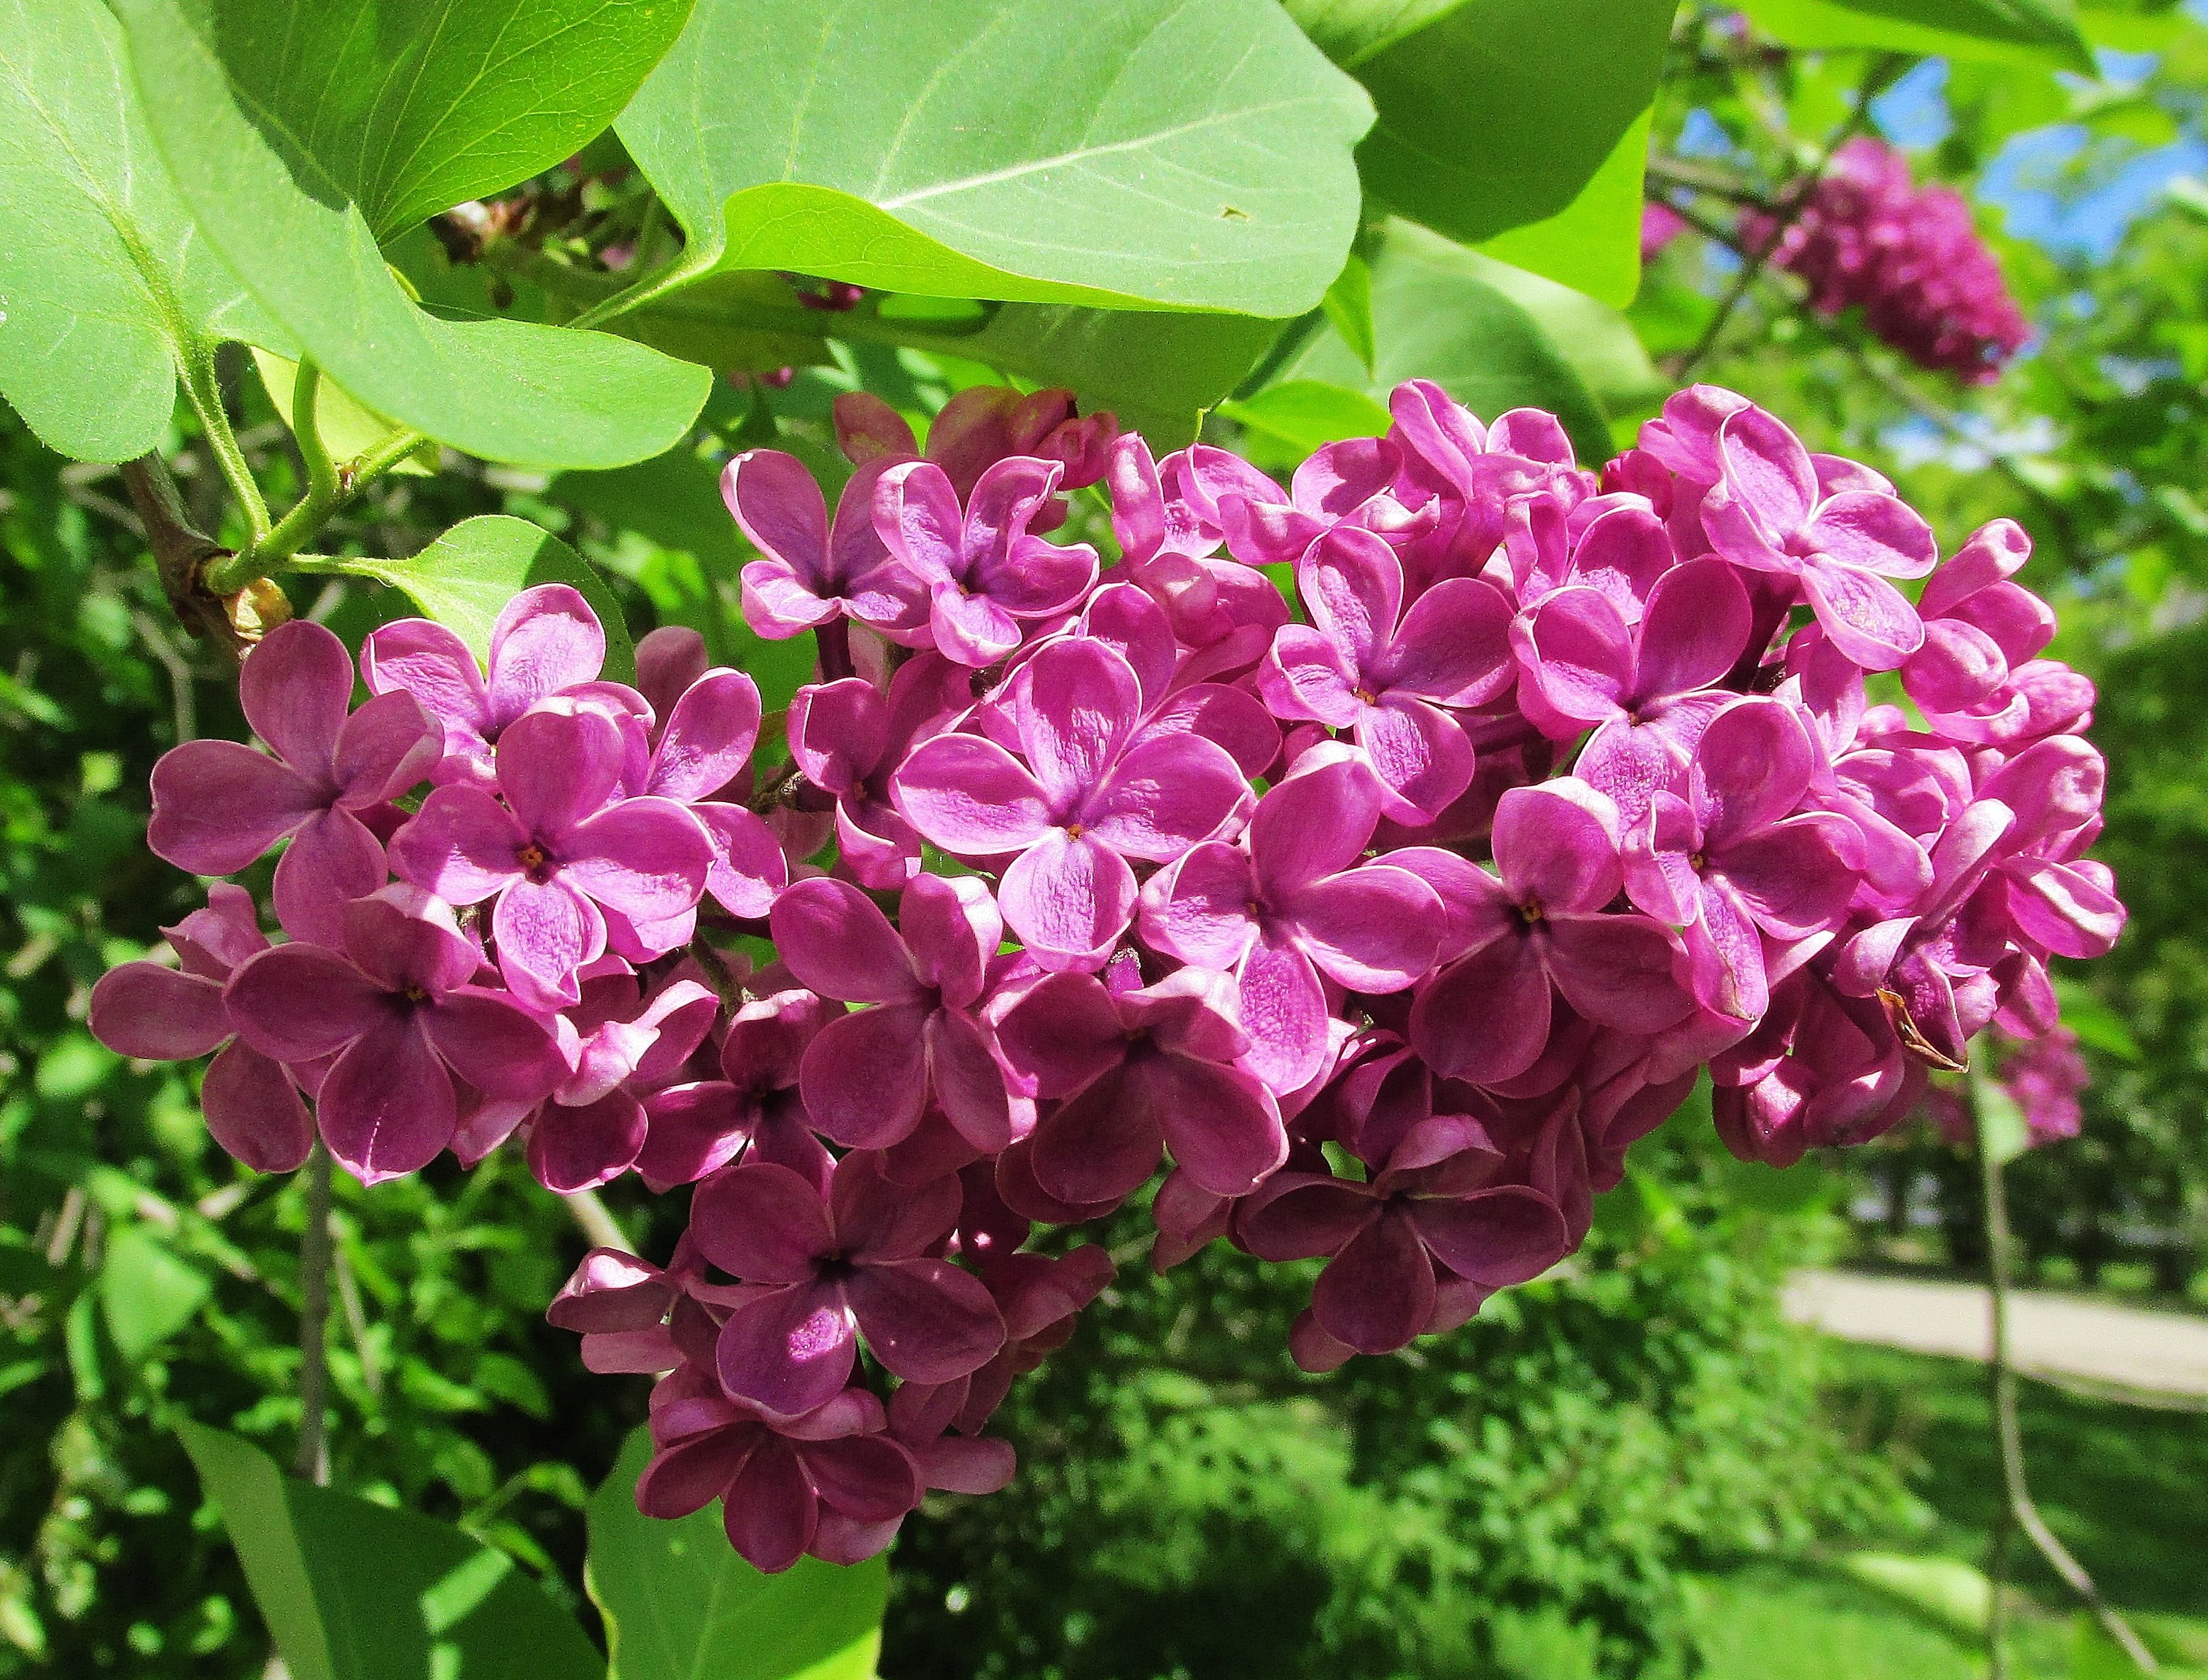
x: 762, y: 1224
x: 1314, y: 824
x: 580, y: 1148
x: 926, y: 1320
x: 156, y: 1014
x: 254, y: 1111
x: 1796, y: 877
x: 1726, y: 954
x: 691, y: 1129
x: 295, y: 689
x: 218, y: 804
x: 1485, y: 1019
x: 1351, y: 583
x: 1751, y: 768
x: 1372, y: 929
x: 1767, y: 467
x: 387, y: 1106
x: 1617, y: 970
x: 1454, y: 647
x: 1198, y: 909
x: 1223, y: 1127
x: 1302, y: 1215
x: 1578, y: 649
x: 769, y: 1513
x: 297, y: 1002
x: 867, y: 1477
x: 1508, y: 1234
x: 1868, y: 618
x: 865, y: 1076
x: 1068, y: 899
x: 461, y: 845
x: 1166, y: 794
x: 972, y: 629
x: 1695, y: 628
x: 428, y: 661
x: 1305, y: 675
x: 777, y: 603
x: 691, y: 1474
x: 1476, y: 909
x: 1378, y: 1291
x: 493, y: 1043
x: 1283, y: 1009
x: 546, y: 931
x: 968, y: 1082
x: 386, y: 748
x: 555, y: 768
x: 708, y: 737
x: 332, y: 860
x: 777, y: 505
x: 836, y: 941
x: 917, y: 517
x: 401, y: 937
x: 1063, y: 1033
x: 1100, y: 1145
x: 1036, y: 578
x: 748, y: 867
x: 646, y: 858
x: 1075, y: 713
x: 547, y: 639
x: 1875, y: 533
x: 1556, y: 846
x: 971, y: 797
x: 952, y: 929
x: 1421, y: 755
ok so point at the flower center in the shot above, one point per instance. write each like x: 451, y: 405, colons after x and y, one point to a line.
x: 1075, y: 831
x: 1697, y: 861
x: 1366, y: 696
x: 1530, y: 912
x: 415, y: 992
x: 536, y: 862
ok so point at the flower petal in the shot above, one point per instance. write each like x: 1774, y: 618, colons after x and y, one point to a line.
x: 546, y: 638
x: 1454, y: 646
x: 332, y: 860
x: 218, y: 804
x: 295, y: 688
x: 1378, y: 1291
x: 971, y: 797
x: 646, y: 858
x: 297, y: 1002
x: 836, y: 939
x: 926, y: 1320
x: 158, y: 1014
x: 1073, y: 715
x: 387, y: 1106
x: 254, y: 1111
x: 788, y: 1351
x: 865, y: 1076
x: 1068, y: 899
x: 1421, y: 755
x: 1556, y: 846
x: 1166, y: 794
x: 1868, y: 618
x: 708, y: 737
x: 761, y: 1224
x: 1485, y: 1017
x: 463, y: 845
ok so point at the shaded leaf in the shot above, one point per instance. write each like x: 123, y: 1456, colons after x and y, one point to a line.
x: 1437, y: 315
x: 504, y: 390
x: 678, y: 1602
x: 465, y: 578
x: 1495, y: 115
x: 1348, y: 305
x: 356, y: 1591
x: 1052, y: 151
x: 147, y: 1293
x: 1598, y: 341
x: 1302, y: 415
x: 2044, y: 32
x: 2098, y: 1026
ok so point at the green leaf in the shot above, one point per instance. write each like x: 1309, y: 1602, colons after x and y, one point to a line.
x: 465, y: 579
x: 355, y: 1591
x: 1597, y: 341
x: 1945, y: 1588
x: 1158, y: 372
x: 1114, y: 151
x: 105, y: 288
x: 2017, y: 32
x: 1348, y: 305
x: 1503, y: 114
x: 2098, y: 1026
x: 680, y: 1604
x: 1305, y: 414
x: 1437, y: 315
x: 284, y: 220
x: 147, y: 1293
x: 346, y: 427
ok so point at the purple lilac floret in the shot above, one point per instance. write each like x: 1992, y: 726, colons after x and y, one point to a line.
x: 1381, y: 917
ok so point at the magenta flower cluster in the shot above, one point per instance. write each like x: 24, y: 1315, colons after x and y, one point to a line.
x: 1384, y: 915
x: 1910, y: 257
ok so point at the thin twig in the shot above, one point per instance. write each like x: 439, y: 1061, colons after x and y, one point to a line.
x: 312, y: 1462
x: 2021, y: 1511
x: 1697, y: 178
x: 596, y: 1220
x: 182, y: 555
x: 1787, y: 210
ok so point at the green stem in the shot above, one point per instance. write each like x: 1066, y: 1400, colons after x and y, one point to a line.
x: 686, y: 267
x: 313, y: 511
x: 313, y: 1462
x: 203, y: 390
x: 321, y: 472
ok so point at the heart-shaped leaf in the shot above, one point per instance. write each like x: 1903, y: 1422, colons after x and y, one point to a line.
x: 1110, y: 151
x: 106, y: 288
x: 271, y: 182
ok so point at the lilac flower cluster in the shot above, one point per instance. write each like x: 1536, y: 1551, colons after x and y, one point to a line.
x: 1386, y: 914
x: 1910, y: 257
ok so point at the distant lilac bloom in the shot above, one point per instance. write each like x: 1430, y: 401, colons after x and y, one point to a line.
x: 2045, y: 1076
x: 869, y: 1077
x: 1292, y: 904
x: 813, y: 574
x: 848, y: 738
x: 1368, y: 665
x: 1738, y: 860
x: 218, y: 804
x: 1485, y: 1017
x: 1135, y: 1072
x: 1770, y: 514
x: 1646, y: 687
x: 1444, y: 1196
x: 398, y: 1011
x: 547, y: 641
x: 830, y: 1270
x: 159, y: 1014
x: 782, y: 1483
x: 560, y: 846
x: 1088, y: 797
x: 1660, y: 225
x: 983, y: 572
